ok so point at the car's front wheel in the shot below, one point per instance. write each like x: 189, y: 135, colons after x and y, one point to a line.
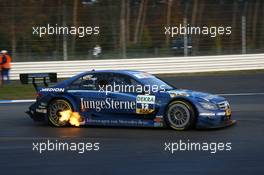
x: 180, y: 115
x: 54, y: 110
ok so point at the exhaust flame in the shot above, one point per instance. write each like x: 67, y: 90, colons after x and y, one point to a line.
x: 73, y: 118
x: 65, y: 115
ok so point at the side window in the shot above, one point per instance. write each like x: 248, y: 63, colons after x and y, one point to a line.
x: 106, y: 81
x: 123, y: 83
x: 75, y: 85
x: 102, y: 81
x: 89, y: 82
x: 86, y: 82
x: 118, y: 79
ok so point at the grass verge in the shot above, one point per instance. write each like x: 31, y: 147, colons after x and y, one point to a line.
x: 16, y: 91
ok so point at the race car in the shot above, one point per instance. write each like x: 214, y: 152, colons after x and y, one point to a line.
x: 124, y: 98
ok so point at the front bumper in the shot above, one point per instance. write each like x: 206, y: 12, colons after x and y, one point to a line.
x: 223, y: 124
x: 216, y: 119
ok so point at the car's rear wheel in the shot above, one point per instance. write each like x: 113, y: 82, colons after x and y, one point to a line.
x: 180, y: 115
x: 54, y: 109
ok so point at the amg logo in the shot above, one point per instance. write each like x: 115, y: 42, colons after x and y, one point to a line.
x: 52, y: 90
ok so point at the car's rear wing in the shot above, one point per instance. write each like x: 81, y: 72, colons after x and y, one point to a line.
x: 38, y: 78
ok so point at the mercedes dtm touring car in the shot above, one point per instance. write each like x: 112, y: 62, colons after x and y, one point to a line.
x: 124, y: 98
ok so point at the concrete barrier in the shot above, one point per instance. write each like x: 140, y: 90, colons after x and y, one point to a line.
x: 152, y: 65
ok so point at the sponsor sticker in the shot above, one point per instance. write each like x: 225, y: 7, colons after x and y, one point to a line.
x: 52, y: 90
x: 147, y: 99
x: 158, y: 124
x: 159, y: 116
x: 228, y: 112
x: 44, y: 111
x: 145, y: 104
x: 210, y: 97
x: 175, y: 93
x: 158, y: 120
x: 117, y: 122
x: 89, y: 77
x: 142, y: 75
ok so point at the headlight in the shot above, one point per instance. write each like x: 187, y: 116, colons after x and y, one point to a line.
x: 209, y: 106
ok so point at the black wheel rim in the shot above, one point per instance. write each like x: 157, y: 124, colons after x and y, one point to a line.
x: 54, y: 112
x: 178, y: 115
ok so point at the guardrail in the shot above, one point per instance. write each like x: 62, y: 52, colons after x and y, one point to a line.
x: 152, y: 65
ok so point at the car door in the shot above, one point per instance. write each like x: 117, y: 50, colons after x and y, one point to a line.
x: 128, y: 91
x: 87, y: 93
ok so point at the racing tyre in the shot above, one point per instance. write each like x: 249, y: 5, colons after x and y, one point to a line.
x: 180, y: 115
x: 54, y: 109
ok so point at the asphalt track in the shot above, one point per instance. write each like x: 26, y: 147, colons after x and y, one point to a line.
x: 139, y: 150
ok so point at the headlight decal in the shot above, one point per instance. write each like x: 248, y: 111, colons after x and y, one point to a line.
x: 209, y: 106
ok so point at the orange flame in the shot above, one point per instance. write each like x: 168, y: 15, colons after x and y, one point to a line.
x: 73, y: 118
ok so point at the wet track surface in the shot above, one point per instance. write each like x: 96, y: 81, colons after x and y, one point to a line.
x: 139, y: 150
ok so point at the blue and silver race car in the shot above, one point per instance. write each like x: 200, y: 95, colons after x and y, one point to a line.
x: 124, y: 98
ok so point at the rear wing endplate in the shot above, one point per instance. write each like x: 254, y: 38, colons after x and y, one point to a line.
x: 38, y: 78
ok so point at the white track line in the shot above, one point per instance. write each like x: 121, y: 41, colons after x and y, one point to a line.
x: 243, y: 94
x: 16, y: 101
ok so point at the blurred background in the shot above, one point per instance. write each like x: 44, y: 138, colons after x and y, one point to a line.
x: 129, y: 28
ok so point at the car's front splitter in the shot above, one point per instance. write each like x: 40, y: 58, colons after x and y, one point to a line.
x: 210, y: 125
